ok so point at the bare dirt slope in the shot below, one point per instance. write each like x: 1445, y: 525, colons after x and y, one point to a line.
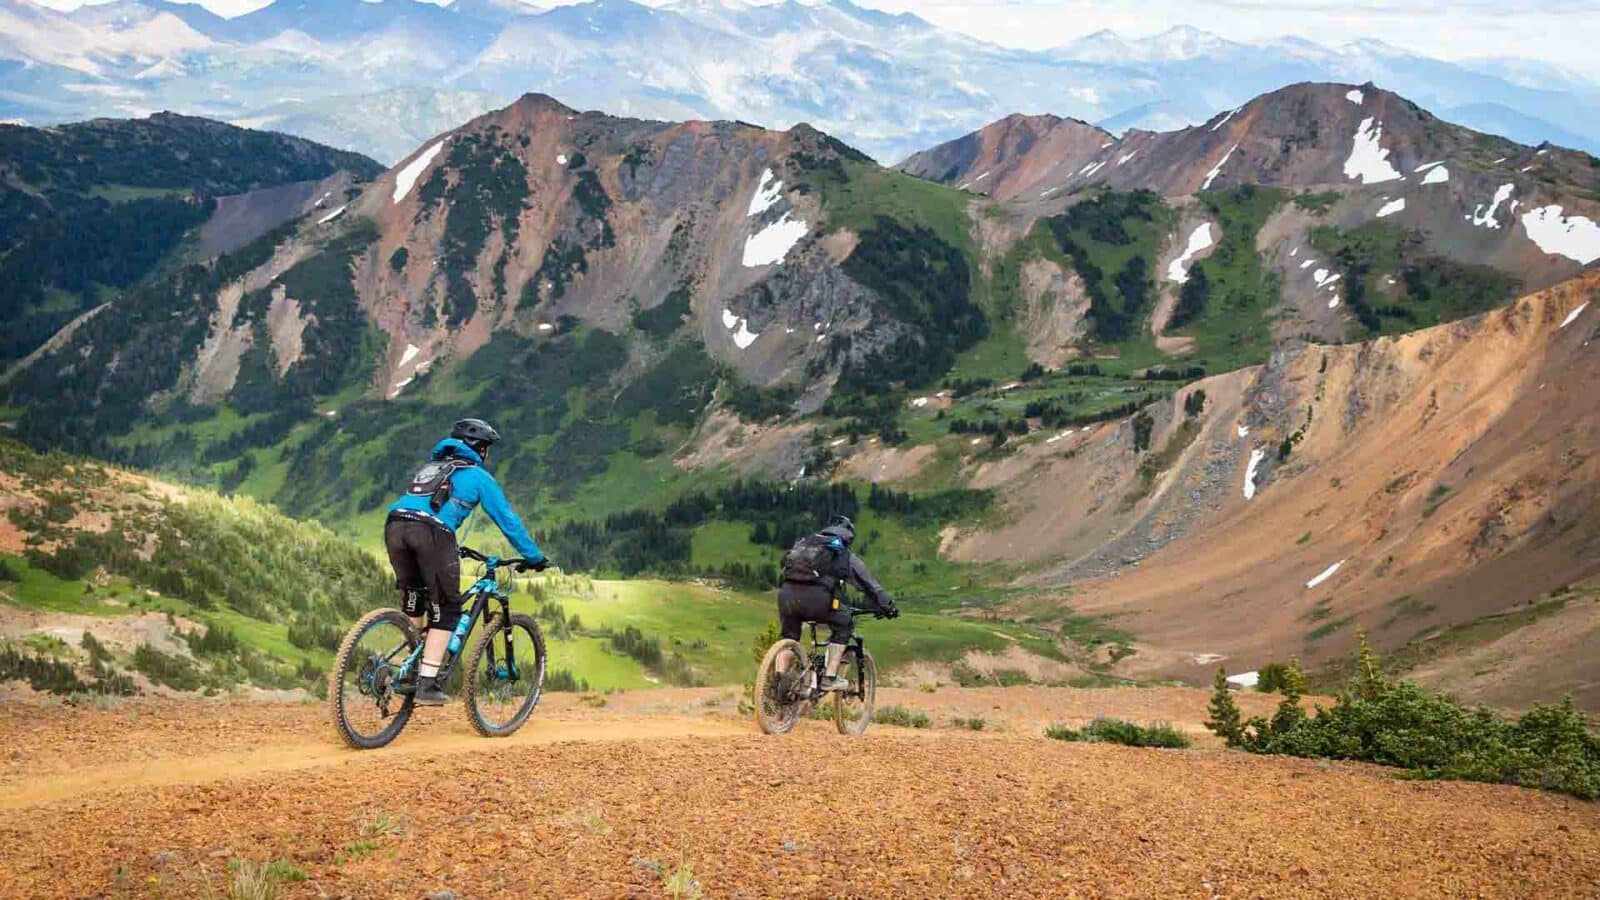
x: 1432, y: 479
x: 658, y: 792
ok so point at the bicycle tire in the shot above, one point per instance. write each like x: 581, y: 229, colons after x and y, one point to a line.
x: 469, y: 675
x: 344, y: 659
x: 768, y: 721
x: 853, y: 720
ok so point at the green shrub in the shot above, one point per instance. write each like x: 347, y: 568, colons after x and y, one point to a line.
x: 174, y: 672
x: 1270, y: 679
x: 1059, y: 732
x: 666, y: 317
x: 1225, y: 721
x: 1433, y: 736
x: 975, y: 723
x: 903, y: 716
x: 563, y: 680
x: 1117, y: 731
x: 40, y: 672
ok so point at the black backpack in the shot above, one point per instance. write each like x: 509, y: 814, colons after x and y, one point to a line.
x: 433, y: 480
x: 817, y: 559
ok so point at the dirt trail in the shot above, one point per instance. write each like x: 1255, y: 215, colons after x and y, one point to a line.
x: 288, y: 757
x: 670, y: 788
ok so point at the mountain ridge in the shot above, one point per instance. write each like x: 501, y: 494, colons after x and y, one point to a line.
x: 775, y: 64
x: 660, y: 311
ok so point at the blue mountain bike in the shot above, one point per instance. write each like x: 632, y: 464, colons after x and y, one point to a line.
x: 502, y: 679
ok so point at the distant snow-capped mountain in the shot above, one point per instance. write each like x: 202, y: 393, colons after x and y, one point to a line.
x: 378, y: 77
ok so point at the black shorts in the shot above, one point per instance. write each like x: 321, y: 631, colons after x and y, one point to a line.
x: 427, y: 567
x: 801, y: 603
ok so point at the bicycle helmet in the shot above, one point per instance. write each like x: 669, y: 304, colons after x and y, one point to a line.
x: 841, y: 527
x: 475, y: 433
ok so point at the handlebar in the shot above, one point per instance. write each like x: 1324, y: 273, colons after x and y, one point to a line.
x: 493, y: 562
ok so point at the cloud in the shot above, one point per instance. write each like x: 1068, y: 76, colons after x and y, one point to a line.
x: 1557, y: 31
x: 1560, y: 32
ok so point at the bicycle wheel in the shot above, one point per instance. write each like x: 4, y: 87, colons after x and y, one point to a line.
x: 366, y: 711
x: 504, y: 676
x: 852, y: 710
x: 780, y: 692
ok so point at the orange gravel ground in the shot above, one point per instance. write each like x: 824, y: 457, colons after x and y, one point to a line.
x: 158, y: 798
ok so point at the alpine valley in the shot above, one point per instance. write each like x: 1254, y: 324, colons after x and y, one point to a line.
x: 1118, y: 405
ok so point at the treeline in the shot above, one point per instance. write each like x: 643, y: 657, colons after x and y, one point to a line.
x: 99, y: 204
x: 1118, y: 300
x: 659, y: 542
x: 645, y: 541
x: 927, y: 285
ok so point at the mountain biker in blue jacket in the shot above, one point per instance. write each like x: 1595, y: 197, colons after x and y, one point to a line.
x: 420, y: 535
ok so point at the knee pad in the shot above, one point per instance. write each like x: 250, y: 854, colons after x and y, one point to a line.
x: 414, y: 601
x: 445, y: 615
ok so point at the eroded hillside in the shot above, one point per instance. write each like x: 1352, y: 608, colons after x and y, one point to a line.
x: 1403, y: 486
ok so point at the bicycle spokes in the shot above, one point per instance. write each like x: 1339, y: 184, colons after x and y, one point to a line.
x: 505, y: 675
x: 367, y: 710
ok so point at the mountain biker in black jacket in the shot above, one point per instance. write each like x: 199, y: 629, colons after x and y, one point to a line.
x: 800, y: 602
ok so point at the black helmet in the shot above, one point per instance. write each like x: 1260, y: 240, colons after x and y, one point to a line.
x: 841, y: 527
x: 476, y: 433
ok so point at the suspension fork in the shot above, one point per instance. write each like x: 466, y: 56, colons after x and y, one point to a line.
x: 510, y: 654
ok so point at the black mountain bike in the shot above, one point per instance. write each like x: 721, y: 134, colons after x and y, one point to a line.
x: 504, y: 673
x: 786, y: 683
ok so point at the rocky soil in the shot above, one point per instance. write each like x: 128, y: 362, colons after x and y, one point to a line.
x: 673, y: 794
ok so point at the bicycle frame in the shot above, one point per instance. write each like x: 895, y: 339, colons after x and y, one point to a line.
x: 482, y: 592
x: 819, y: 662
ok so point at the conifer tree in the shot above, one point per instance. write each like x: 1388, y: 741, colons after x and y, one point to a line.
x: 1224, y: 721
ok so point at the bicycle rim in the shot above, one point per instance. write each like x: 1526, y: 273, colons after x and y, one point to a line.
x: 505, y: 676
x: 779, y: 687
x: 852, y: 710
x: 366, y: 711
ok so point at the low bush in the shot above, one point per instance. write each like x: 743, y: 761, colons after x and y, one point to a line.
x: 564, y: 681
x: 1118, y: 731
x: 167, y: 669
x: 1428, y: 734
x: 975, y: 723
x: 903, y: 716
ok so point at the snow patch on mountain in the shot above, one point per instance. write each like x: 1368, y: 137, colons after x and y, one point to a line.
x: 1356, y: 97
x: 1212, y: 175
x: 743, y: 337
x: 331, y: 216
x: 1436, y: 175
x: 1327, y: 573
x: 407, y: 178
x: 1393, y: 206
x: 1573, y: 316
x: 1486, y: 218
x: 1369, y: 161
x: 772, y: 244
x: 1575, y: 237
x: 767, y: 193
x: 1256, y: 456
x: 1200, y: 239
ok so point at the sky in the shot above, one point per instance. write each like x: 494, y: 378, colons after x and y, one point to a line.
x: 1560, y: 32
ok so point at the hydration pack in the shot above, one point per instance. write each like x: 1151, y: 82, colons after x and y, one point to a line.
x: 433, y: 480
x: 817, y: 559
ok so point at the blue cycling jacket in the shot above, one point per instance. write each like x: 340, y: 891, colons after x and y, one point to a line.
x: 470, y: 487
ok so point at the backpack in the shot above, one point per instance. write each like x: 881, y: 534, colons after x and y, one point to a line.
x: 817, y: 559
x: 433, y: 480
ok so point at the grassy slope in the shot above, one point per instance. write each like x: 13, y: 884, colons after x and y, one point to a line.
x: 715, y: 628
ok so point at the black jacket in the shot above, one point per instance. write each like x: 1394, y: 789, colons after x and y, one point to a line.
x: 860, y: 578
